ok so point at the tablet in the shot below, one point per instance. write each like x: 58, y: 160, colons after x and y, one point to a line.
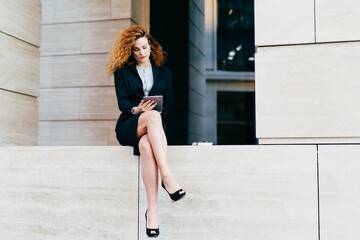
x: 158, y: 99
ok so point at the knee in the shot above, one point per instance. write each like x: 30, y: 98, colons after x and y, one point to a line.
x: 145, y: 146
x: 152, y: 116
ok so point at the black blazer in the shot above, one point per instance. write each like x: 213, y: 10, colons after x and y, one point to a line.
x: 129, y: 89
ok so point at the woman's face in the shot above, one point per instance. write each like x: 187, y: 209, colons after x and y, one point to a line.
x: 141, y: 50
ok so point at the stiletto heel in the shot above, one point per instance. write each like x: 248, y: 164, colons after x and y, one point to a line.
x: 176, y: 195
x: 150, y: 230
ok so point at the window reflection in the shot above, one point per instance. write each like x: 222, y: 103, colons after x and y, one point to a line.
x: 236, y: 118
x: 235, y: 35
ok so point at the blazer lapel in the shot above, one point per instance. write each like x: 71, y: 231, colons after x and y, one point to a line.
x: 133, y: 68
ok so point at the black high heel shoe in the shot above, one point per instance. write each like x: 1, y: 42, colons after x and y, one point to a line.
x: 176, y: 195
x: 150, y: 230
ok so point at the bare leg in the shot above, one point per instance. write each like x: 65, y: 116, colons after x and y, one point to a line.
x: 150, y: 123
x: 149, y: 173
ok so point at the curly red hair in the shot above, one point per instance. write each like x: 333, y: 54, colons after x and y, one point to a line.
x: 121, y: 52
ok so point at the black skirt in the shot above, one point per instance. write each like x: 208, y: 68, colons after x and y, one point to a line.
x: 126, y: 133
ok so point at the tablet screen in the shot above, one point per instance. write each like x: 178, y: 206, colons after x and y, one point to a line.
x: 158, y: 99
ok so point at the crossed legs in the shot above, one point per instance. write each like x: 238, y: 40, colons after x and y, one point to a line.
x: 153, y: 152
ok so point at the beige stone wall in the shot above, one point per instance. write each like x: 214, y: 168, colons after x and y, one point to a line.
x: 19, y: 71
x: 197, y: 80
x: 307, y: 71
x: 268, y: 192
x: 339, y: 194
x: 77, y: 99
x: 240, y: 192
x: 52, y: 193
x: 233, y: 192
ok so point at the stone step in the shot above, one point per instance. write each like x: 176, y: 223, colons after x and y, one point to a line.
x: 233, y: 192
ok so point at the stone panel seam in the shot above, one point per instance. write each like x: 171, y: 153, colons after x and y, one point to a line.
x: 52, y: 69
x: 27, y: 95
x: 110, y: 9
x: 89, y: 21
x: 71, y: 87
x: 81, y: 38
x: 197, y: 114
x: 53, y: 15
x: 318, y: 188
x: 138, y: 220
x: 80, y: 103
x: 134, y: 22
x: 196, y: 26
x: 12, y: 36
x: 197, y: 70
x: 197, y: 7
x: 107, y: 132
x: 197, y: 92
x: 304, y: 44
x: 74, y: 54
x: 196, y: 48
x: 76, y: 86
x: 77, y: 120
x: 196, y: 134
x: 315, y: 21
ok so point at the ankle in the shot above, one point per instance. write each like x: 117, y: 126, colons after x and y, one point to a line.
x: 153, y: 209
x: 166, y: 176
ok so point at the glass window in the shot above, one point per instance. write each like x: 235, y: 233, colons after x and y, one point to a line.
x: 235, y: 118
x: 235, y: 35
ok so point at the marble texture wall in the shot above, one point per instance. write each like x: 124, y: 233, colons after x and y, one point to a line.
x: 284, y: 22
x: 19, y: 71
x: 51, y: 193
x: 308, y: 91
x: 239, y: 192
x: 339, y: 193
x: 75, y: 92
x: 307, y: 71
x: 19, y: 116
x: 233, y: 192
x: 337, y: 20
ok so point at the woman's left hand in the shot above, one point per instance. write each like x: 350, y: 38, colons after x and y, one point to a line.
x: 144, y: 106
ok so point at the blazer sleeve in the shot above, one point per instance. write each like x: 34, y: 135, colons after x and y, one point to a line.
x: 122, y: 96
x: 168, y: 92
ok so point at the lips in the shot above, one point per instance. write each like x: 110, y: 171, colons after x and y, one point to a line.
x: 143, y: 57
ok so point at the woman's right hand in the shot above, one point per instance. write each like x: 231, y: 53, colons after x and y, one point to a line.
x: 144, y: 106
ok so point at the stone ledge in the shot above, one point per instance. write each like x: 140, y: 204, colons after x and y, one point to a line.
x: 233, y: 192
x: 68, y: 193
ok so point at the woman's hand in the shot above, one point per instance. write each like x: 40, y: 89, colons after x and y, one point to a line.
x: 144, y: 106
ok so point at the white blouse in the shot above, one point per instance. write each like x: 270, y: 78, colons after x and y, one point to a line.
x: 147, y: 78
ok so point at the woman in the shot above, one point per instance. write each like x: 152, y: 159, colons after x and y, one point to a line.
x: 136, y: 60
